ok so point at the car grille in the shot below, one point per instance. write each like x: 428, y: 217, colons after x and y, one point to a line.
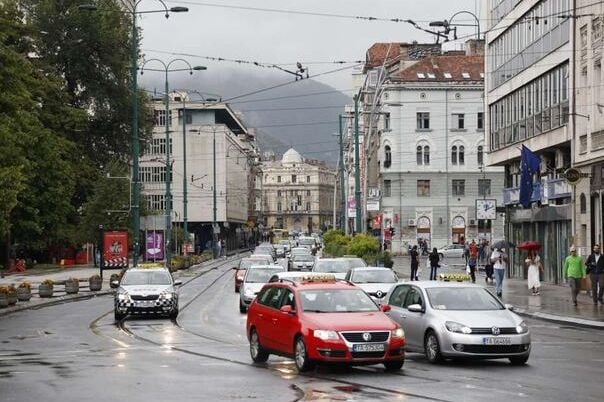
x: 367, y: 355
x: 489, y: 331
x: 148, y: 297
x: 495, y: 349
x: 381, y: 336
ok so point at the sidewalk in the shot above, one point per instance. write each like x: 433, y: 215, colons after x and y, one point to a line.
x: 553, y: 304
x: 82, y: 272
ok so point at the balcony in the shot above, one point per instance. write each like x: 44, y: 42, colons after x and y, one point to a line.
x: 542, y: 191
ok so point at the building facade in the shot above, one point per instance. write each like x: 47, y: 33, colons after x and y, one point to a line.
x: 219, y: 149
x: 529, y: 101
x: 298, y: 194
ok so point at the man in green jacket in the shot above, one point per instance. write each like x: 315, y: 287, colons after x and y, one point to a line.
x: 574, y: 271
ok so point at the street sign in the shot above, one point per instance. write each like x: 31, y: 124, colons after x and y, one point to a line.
x: 573, y: 176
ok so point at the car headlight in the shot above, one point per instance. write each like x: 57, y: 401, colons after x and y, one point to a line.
x: 123, y: 296
x: 248, y: 292
x: 325, y: 335
x: 457, y: 327
x: 168, y: 295
x: 522, y: 328
x: 398, y: 333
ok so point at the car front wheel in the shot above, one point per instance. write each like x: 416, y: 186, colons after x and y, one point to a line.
x: 303, y: 363
x: 432, y: 348
x: 257, y: 352
x: 519, y: 361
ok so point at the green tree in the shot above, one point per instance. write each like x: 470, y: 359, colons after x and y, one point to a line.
x: 364, y: 246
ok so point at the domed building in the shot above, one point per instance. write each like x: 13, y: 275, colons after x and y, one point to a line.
x: 297, y: 193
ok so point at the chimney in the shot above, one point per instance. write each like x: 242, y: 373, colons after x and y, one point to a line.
x: 474, y: 47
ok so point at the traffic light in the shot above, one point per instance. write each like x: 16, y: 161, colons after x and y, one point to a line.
x: 392, y: 232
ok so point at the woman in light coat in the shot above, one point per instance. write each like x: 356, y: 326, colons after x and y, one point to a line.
x: 533, y: 262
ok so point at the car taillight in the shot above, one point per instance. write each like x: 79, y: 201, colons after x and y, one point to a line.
x: 240, y: 274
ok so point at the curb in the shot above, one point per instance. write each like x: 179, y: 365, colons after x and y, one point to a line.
x: 577, y: 322
x: 84, y: 296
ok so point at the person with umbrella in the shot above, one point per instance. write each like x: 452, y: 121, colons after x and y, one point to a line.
x: 534, y: 265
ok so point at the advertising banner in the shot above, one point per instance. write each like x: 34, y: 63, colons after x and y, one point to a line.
x: 115, y: 249
x: 154, y: 246
x: 351, y: 206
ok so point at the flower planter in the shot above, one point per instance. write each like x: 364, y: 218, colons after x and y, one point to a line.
x: 72, y: 287
x: 23, y: 294
x: 112, y: 278
x: 95, y: 283
x: 12, y: 298
x: 45, y: 290
x: 3, y: 300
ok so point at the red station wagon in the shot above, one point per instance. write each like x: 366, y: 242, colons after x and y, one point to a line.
x: 320, y: 319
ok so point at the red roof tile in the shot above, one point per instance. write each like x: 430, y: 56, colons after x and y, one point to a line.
x: 460, y: 68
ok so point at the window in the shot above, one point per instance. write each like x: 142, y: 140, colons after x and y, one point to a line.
x: 461, y: 157
x: 387, y: 188
x: 278, y: 179
x: 308, y: 193
x: 484, y: 187
x: 294, y: 178
x: 457, y: 155
x: 278, y: 193
x: 423, y: 188
x: 398, y: 296
x: 480, y: 155
x: 426, y: 155
x: 480, y: 121
x: 454, y: 155
x: 308, y: 179
x: 288, y: 299
x: 160, y: 118
x: 308, y: 206
x: 419, y: 155
x: 387, y: 156
x: 279, y: 208
x: 387, y: 121
x: 423, y: 155
x: 423, y: 121
x: 271, y: 297
x: 583, y: 203
x: 299, y: 200
x: 458, y: 121
x: 459, y: 187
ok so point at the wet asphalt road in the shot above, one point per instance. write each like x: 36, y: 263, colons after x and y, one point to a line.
x: 75, y: 351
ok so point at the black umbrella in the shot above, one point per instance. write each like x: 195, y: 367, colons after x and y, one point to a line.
x: 501, y: 244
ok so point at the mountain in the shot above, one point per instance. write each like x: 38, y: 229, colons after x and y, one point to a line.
x: 283, y: 112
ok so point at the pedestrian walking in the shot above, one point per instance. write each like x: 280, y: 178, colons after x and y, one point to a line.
x: 574, y: 271
x: 488, y: 265
x: 434, y: 260
x: 414, y: 263
x: 595, y: 269
x: 499, y: 259
x: 473, y: 259
x: 534, y: 266
x: 223, y: 247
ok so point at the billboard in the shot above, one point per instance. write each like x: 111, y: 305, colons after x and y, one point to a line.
x: 115, y: 249
x: 154, y: 246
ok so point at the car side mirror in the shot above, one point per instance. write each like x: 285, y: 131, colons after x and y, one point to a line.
x: 235, y: 268
x: 385, y: 307
x: 177, y: 282
x: 415, y: 308
x: 509, y: 307
x: 115, y: 283
x: 287, y: 309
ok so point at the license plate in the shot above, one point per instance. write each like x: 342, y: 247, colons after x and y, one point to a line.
x: 497, y: 341
x: 368, y: 347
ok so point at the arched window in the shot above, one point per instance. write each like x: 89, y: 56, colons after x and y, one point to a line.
x: 426, y: 155
x: 583, y: 204
x: 460, y: 156
x: 480, y: 156
x: 423, y: 155
x: 387, y: 156
x: 419, y: 155
x: 454, y: 155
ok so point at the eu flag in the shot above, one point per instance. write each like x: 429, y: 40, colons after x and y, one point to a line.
x: 529, y: 164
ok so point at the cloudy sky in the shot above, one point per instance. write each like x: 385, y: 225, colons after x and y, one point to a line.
x: 313, y: 32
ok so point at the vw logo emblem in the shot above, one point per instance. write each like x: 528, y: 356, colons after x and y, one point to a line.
x: 379, y: 294
x: 366, y: 336
x: 495, y: 331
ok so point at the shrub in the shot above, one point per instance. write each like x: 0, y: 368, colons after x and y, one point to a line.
x: 48, y: 282
x: 330, y: 235
x: 25, y: 285
x: 364, y: 246
x: 4, y: 290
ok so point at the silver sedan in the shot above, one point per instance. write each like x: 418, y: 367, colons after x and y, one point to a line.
x: 452, y: 319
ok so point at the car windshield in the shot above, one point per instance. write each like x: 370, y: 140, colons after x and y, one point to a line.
x: 460, y: 298
x: 355, y: 262
x: 303, y: 257
x: 284, y: 242
x: 260, y: 275
x: 306, y: 241
x: 146, y: 278
x: 384, y: 275
x: 331, y: 266
x: 246, y: 263
x: 336, y: 301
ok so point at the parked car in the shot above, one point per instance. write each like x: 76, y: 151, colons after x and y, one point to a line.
x: 255, y: 277
x: 322, y: 320
x: 451, y: 251
x: 338, y: 266
x: 462, y: 320
x: 148, y: 291
x: 376, y: 281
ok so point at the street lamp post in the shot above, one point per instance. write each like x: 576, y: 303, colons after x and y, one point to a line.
x: 168, y: 197
x: 446, y: 24
x: 357, y: 175
x: 135, y: 140
x: 342, y: 184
